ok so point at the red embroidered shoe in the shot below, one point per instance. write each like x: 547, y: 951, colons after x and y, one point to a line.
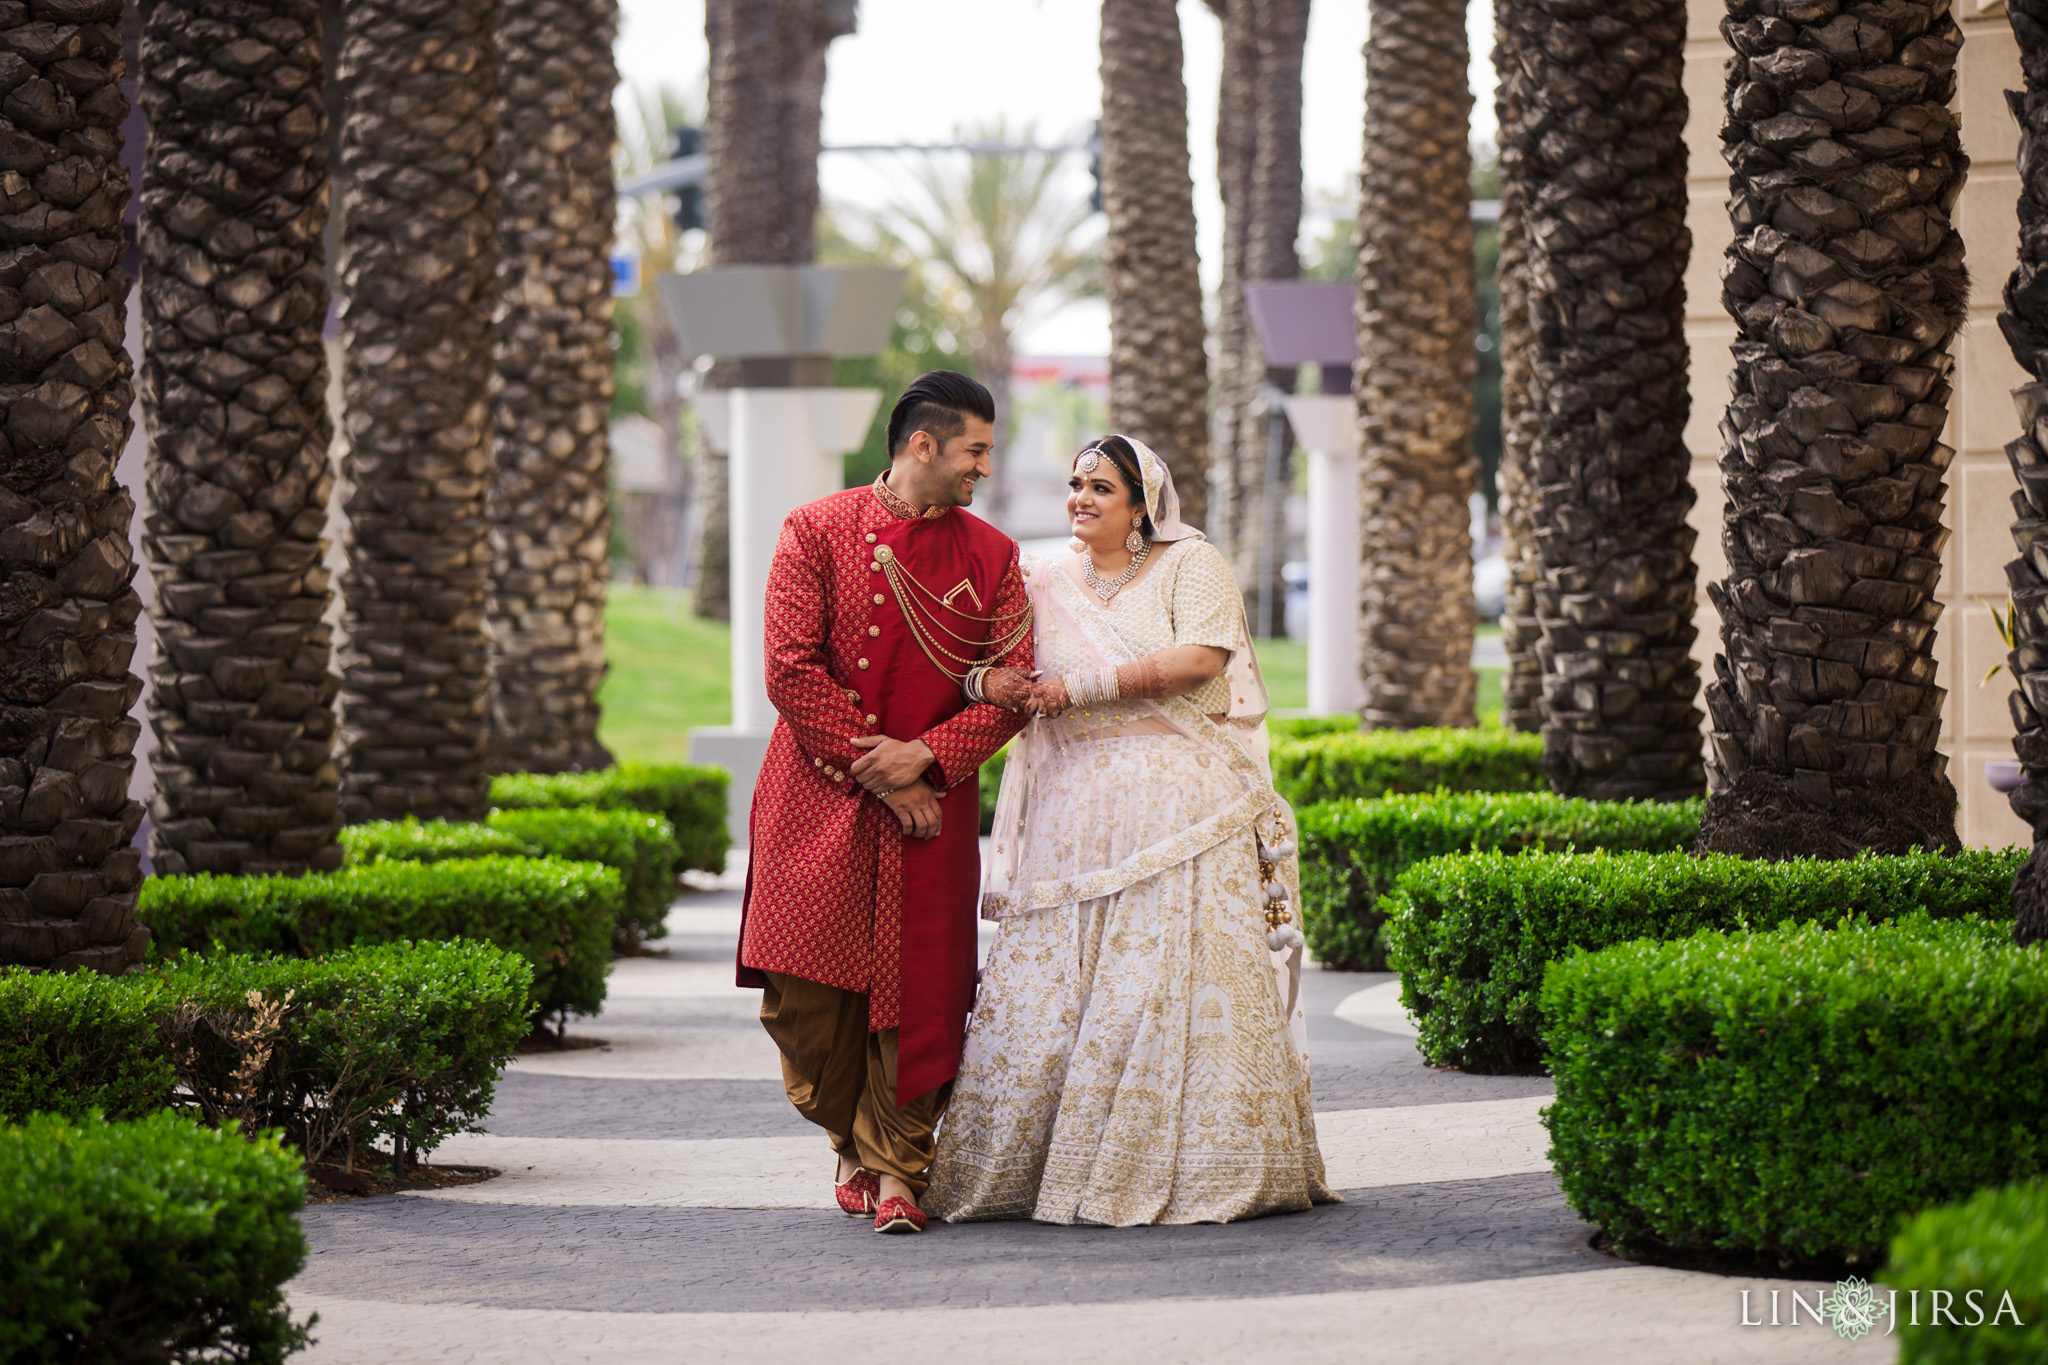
x: 858, y: 1192
x: 899, y: 1215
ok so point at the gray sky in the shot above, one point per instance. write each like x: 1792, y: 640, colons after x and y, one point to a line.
x: 919, y: 69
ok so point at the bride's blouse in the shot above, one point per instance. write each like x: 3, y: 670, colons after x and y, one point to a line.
x: 1188, y: 598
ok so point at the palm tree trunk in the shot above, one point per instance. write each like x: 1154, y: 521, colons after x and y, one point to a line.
x: 1272, y: 254
x: 1522, y: 689
x: 993, y: 361
x: 235, y: 397
x: 1258, y: 153
x: 419, y: 220
x: 550, y: 500
x: 712, y: 596
x: 1847, y: 279
x: 2025, y: 324
x: 68, y: 870
x: 1417, y: 314
x: 1600, y: 172
x: 1158, y: 367
x: 763, y: 119
x: 1239, y: 458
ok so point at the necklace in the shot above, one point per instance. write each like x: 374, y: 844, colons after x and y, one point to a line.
x: 1106, y: 588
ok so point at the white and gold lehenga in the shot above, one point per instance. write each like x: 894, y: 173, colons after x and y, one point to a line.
x: 1135, y: 1055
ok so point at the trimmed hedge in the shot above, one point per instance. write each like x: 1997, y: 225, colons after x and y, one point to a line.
x: 156, y: 1240
x: 557, y: 915
x: 1376, y: 763
x: 1309, y: 727
x: 403, y: 1041
x: 428, y: 841
x: 640, y: 845
x: 1471, y: 935
x: 1995, y: 1242
x: 1352, y: 852
x: 692, y: 797
x: 1796, y: 1091
x: 73, y: 1041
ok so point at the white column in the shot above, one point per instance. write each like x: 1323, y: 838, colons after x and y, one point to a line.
x: 1327, y: 425
x: 784, y: 448
x: 785, y: 452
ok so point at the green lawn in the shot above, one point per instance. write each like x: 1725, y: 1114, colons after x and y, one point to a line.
x: 1284, y: 664
x: 671, y: 671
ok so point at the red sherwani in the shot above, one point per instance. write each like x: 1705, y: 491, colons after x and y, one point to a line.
x: 836, y: 892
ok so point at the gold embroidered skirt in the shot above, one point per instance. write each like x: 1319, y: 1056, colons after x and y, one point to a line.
x: 1127, y: 1061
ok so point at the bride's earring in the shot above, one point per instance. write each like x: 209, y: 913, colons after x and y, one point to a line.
x: 1135, y: 542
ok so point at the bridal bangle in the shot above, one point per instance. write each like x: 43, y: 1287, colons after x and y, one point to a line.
x: 1091, y: 687
x: 975, y: 685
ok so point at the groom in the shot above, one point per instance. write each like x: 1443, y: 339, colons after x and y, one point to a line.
x: 859, y: 920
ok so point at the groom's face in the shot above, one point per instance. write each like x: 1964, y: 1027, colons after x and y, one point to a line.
x: 962, y: 462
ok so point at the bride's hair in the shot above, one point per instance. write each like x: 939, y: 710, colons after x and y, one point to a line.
x: 1119, y: 453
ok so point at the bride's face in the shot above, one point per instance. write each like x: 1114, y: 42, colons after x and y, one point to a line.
x: 1100, y: 506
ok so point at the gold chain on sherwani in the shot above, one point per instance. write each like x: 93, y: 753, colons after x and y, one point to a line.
x: 925, y: 625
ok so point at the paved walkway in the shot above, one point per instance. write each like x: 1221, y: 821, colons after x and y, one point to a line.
x: 662, y: 1203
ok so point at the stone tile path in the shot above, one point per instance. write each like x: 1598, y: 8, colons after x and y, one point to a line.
x: 661, y: 1202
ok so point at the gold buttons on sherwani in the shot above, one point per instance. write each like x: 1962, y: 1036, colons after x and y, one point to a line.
x: 874, y: 630
x: 871, y: 720
x: 871, y: 537
x: 860, y: 663
x: 878, y: 599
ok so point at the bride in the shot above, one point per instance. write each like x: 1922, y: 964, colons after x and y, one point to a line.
x: 1134, y: 1056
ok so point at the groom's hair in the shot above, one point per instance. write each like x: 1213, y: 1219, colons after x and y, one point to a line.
x: 938, y: 402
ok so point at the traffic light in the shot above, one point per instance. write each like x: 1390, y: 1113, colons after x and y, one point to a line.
x: 689, y: 198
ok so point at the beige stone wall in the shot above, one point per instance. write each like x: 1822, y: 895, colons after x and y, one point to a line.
x: 1975, y: 725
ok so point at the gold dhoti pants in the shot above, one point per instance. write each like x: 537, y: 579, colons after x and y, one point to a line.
x: 843, y: 1078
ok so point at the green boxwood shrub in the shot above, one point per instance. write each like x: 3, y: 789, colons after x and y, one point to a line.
x: 1375, y: 763
x: 1352, y: 852
x: 557, y: 915
x: 1796, y: 1091
x: 428, y: 841
x: 692, y: 797
x: 397, y: 1041
x: 1283, y: 730
x: 401, y: 1041
x: 1472, y: 934
x: 640, y: 845
x: 156, y: 1240
x: 76, y: 1041
x: 1995, y: 1242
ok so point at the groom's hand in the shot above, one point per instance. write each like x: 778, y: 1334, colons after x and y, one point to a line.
x: 917, y: 806
x: 890, y: 763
